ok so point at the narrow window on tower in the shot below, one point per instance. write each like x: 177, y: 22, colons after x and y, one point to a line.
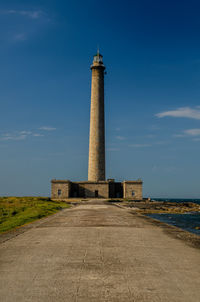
x: 59, y: 192
x: 133, y: 193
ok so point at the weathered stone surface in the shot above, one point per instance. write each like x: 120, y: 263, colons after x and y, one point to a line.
x: 132, y: 189
x: 63, y: 189
x: 60, y: 189
x: 96, y: 164
x: 89, y: 189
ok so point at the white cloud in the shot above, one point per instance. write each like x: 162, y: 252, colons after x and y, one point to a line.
x: 189, y: 132
x: 34, y: 14
x: 25, y: 132
x: 38, y: 135
x: 192, y: 132
x: 45, y: 128
x: 16, y: 137
x: 184, y: 112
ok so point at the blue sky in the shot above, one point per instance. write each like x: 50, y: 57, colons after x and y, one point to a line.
x: 151, y: 51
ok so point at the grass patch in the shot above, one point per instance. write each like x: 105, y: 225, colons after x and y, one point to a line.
x: 16, y: 211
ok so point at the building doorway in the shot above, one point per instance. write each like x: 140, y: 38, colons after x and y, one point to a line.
x: 96, y: 193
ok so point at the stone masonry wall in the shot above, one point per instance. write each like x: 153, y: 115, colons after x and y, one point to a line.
x: 132, y: 190
x: 90, y: 188
x: 60, y: 189
x: 63, y: 189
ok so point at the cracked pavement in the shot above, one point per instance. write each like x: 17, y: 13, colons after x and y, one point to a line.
x: 98, y: 252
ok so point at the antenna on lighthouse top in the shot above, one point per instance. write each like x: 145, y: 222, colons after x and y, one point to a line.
x: 98, y: 50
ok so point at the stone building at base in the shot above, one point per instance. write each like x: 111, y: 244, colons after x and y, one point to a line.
x: 64, y: 189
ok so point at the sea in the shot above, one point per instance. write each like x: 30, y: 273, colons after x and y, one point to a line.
x: 189, y: 221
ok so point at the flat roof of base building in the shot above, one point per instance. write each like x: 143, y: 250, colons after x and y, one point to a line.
x: 139, y: 181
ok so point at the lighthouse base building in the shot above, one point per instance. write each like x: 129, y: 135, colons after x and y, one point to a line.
x: 97, y: 186
x: 63, y: 189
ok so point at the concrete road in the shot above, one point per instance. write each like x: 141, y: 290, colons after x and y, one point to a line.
x: 98, y: 252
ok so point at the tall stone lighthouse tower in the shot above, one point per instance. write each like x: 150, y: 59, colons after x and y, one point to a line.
x: 96, y: 185
x: 96, y: 163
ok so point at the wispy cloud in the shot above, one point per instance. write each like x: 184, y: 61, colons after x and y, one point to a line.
x: 25, y: 132
x: 189, y: 133
x: 192, y: 132
x: 22, y: 135
x: 46, y: 128
x: 183, y: 112
x: 38, y: 135
x: 13, y: 137
x: 121, y: 138
x: 21, y: 24
x: 32, y: 14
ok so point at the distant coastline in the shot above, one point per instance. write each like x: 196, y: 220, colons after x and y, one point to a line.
x: 195, y: 200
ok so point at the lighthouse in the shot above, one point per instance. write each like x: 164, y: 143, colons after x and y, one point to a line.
x: 96, y: 186
x: 96, y: 162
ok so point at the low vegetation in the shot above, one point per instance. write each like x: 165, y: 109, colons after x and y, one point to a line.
x: 16, y: 211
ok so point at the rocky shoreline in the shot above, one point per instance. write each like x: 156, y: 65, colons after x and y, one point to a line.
x: 158, y: 207
x: 142, y: 209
